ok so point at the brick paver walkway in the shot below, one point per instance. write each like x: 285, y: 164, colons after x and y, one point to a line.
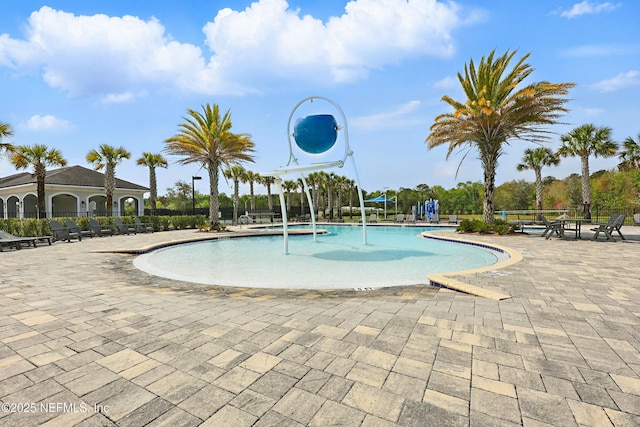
x: 88, y: 340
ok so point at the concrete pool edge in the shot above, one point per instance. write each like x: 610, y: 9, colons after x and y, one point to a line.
x: 203, y: 238
x: 444, y: 280
x: 436, y: 280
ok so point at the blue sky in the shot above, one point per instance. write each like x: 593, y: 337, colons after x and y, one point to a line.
x: 75, y: 74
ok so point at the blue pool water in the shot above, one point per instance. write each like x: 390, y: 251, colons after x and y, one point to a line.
x: 393, y: 256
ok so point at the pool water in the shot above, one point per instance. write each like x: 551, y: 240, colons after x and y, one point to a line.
x: 393, y: 256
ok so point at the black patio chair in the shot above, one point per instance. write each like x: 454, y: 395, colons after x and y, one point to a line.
x: 61, y: 233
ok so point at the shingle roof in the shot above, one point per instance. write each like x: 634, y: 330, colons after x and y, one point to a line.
x: 71, y: 175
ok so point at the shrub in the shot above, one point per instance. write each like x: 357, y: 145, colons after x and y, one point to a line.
x: 477, y: 226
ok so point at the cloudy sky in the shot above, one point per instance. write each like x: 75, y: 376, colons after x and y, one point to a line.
x: 75, y: 74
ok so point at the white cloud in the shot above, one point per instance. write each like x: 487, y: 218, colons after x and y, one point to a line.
x: 592, y: 112
x: 267, y: 41
x: 268, y: 37
x: 596, y: 50
x: 388, y: 119
x: 449, y: 82
x: 587, y: 7
x: 621, y: 81
x: 121, y: 98
x: 88, y: 55
x: 46, y: 122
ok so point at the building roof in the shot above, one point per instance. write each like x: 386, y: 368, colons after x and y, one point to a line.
x: 71, y: 175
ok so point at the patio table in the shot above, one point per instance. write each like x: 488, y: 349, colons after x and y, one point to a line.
x: 578, y: 222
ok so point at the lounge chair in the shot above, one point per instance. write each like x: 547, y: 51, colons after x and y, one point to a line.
x: 73, y: 228
x: 411, y: 219
x: 552, y: 227
x: 399, y: 218
x: 122, y: 228
x: 8, y: 238
x: 435, y: 219
x: 453, y: 219
x: 614, y: 224
x: 636, y: 219
x: 61, y: 233
x: 97, y: 229
x: 141, y: 227
x: 373, y: 218
x: 7, y: 242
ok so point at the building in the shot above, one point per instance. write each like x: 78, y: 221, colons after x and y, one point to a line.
x: 72, y: 191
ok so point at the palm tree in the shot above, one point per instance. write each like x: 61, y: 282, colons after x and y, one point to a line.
x: 267, y: 181
x: 107, y: 157
x: 153, y: 161
x: 535, y: 159
x: 300, y: 183
x: 40, y: 157
x: 630, y: 154
x: 340, y: 184
x: 251, y: 178
x: 236, y: 174
x: 289, y: 186
x: 5, y: 131
x: 496, y: 111
x: 584, y: 141
x: 206, y: 138
x: 350, y: 186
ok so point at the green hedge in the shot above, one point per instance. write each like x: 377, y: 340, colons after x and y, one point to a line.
x: 477, y: 226
x: 31, y: 227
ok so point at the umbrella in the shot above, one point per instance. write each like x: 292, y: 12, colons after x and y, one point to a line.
x: 380, y: 199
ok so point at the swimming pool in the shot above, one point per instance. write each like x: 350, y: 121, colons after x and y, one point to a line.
x: 393, y: 256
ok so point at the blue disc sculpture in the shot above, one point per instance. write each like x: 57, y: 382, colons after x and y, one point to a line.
x: 316, y: 134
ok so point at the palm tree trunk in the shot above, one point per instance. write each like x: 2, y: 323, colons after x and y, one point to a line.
x: 236, y: 199
x: 253, y: 199
x: 538, y: 173
x: 109, y: 186
x: 214, y: 202
x: 41, y: 174
x: 269, y: 200
x: 153, y: 189
x: 489, y: 165
x: 586, y: 186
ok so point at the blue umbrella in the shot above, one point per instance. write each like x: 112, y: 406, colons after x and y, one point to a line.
x: 380, y: 199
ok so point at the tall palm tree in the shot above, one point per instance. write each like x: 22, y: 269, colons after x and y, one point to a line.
x: 5, y: 131
x: 251, y: 178
x: 535, y: 159
x: 584, y: 141
x: 152, y: 161
x: 289, y: 186
x: 341, y: 185
x: 40, y: 157
x: 107, y: 157
x: 300, y: 183
x: 350, y: 186
x: 268, y: 181
x: 206, y: 138
x: 630, y: 154
x: 236, y: 174
x: 313, y: 180
x: 497, y: 110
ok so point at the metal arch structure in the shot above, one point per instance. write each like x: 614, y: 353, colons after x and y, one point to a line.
x: 293, y: 167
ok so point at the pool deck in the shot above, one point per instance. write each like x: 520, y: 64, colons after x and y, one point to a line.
x: 88, y: 340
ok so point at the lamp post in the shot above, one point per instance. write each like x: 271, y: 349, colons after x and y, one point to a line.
x: 193, y: 193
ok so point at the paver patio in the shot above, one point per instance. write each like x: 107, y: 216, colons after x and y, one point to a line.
x: 86, y: 339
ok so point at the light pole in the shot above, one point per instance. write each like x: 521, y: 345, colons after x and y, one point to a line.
x: 193, y: 193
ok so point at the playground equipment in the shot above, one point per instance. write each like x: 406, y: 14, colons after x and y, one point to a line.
x: 314, y: 136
